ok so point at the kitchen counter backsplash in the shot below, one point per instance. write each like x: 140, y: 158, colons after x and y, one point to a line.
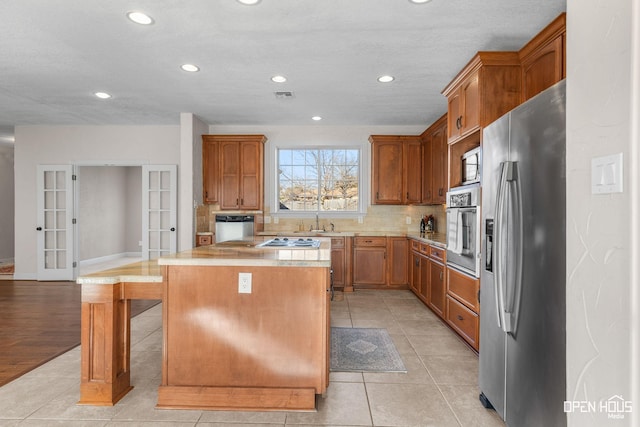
x: 382, y: 219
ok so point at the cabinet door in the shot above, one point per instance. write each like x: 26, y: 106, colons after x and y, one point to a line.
x: 543, y: 68
x: 425, y: 278
x: 398, y: 251
x: 338, y: 261
x: 439, y: 157
x: 469, y: 104
x: 453, y: 115
x: 386, y: 172
x: 369, y: 265
x: 250, y: 175
x: 412, y: 171
x: 438, y: 290
x: 210, y: 171
x: 414, y: 273
x: 427, y: 172
x: 230, y: 175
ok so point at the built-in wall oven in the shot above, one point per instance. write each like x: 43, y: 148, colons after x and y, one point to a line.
x: 463, y: 229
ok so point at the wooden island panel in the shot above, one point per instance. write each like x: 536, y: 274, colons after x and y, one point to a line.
x: 264, y: 350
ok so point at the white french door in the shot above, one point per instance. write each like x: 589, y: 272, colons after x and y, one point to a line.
x: 159, y: 207
x: 55, y: 222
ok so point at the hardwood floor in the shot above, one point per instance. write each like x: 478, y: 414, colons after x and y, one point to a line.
x: 39, y: 321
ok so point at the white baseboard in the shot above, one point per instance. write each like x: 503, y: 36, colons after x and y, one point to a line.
x: 110, y: 258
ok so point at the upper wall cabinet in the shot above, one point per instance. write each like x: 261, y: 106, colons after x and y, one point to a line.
x: 487, y: 88
x: 434, y: 160
x: 235, y: 178
x: 543, y: 58
x: 396, y: 169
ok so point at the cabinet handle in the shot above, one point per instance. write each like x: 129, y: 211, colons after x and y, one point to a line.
x: 459, y: 122
x: 439, y: 191
x: 206, y: 194
x: 460, y: 317
x: 417, y: 262
x: 407, y: 195
x: 377, y: 195
x: 441, y: 275
x: 237, y: 201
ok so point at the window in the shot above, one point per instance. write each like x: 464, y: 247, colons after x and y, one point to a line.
x: 318, y: 180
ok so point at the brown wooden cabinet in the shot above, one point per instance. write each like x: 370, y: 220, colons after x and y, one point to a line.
x: 543, y: 58
x: 211, y: 169
x: 239, y: 175
x: 341, y: 263
x: 437, y: 282
x: 380, y: 262
x: 396, y: 169
x: 427, y: 273
x: 463, y: 306
x: 204, y: 239
x: 435, y: 161
x: 463, y: 107
x: 370, y: 261
x: 485, y: 89
x: 397, y: 251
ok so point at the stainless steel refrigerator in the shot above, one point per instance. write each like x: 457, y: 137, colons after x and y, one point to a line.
x: 522, y: 282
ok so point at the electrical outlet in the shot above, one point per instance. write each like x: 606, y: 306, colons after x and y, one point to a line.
x: 408, y: 220
x: 360, y: 221
x: 267, y: 219
x: 244, y: 283
x: 275, y: 220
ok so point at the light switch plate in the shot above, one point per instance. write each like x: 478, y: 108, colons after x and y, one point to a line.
x: 606, y: 174
x: 244, y: 283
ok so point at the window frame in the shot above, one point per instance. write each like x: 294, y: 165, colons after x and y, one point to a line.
x: 276, y: 211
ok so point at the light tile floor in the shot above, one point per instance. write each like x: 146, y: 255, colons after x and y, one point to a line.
x: 440, y: 388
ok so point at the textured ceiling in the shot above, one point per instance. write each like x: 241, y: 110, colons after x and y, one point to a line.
x: 57, y: 53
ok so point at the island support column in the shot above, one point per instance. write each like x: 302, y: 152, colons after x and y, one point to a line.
x: 105, y: 339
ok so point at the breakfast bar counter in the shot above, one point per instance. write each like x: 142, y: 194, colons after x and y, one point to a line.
x: 245, y: 327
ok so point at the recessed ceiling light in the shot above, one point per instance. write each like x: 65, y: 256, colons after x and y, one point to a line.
x: 419, y: 1
x: 249, y: 2
x: 190, y: 68
x: 316, y: 118
x: 386, y: 79
x: 140, y: 18
x: 102, y: 95
x: 279, y: 79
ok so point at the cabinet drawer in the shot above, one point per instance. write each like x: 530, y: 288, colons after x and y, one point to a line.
x: 337, y: 242
x: 204, y: 239
x: 464, y: 288
x: 424, y: 249
x: 415, y: 245
x: 463, y: 320
x: 437, y: 253
x: 370, y: 241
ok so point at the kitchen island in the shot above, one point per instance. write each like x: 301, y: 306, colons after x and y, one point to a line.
x: 244, y: 327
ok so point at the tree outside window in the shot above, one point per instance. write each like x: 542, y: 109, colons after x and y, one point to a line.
x: 318, y: 180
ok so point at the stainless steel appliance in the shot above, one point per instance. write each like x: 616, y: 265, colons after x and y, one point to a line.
x: 522, y: 285
x: 234, y: 227
x: 292, y: 242
x: 471, y: 166
x: 463, y: 229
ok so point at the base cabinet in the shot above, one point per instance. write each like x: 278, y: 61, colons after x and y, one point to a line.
x: 341, y: 263
x: 463, y: 306
x: 380, y: 262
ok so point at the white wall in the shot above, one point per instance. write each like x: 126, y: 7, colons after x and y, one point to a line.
x: 602, y: 230
x: 77, y: 145
x: 6, y: 201
x: 190, y: 184
x: 318, y: 135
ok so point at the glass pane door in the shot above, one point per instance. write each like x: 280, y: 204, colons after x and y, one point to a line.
x: 55, y: 222
x: 159, y: 205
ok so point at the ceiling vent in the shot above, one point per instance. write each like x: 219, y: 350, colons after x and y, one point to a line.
x: 284, y: 95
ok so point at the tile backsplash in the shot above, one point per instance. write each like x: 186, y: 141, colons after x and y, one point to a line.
x: 379, y: 218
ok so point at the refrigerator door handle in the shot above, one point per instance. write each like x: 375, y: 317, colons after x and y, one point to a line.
x: 513, y: 288
x: 497, y: 245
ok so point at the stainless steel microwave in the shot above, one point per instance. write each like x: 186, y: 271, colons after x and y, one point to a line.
x: 471, y: 166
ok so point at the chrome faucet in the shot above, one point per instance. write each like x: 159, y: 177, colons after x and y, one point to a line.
x: 317, y: 223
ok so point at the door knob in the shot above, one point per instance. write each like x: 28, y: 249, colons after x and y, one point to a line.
x: 39, y: 228
x: 172, y: 229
